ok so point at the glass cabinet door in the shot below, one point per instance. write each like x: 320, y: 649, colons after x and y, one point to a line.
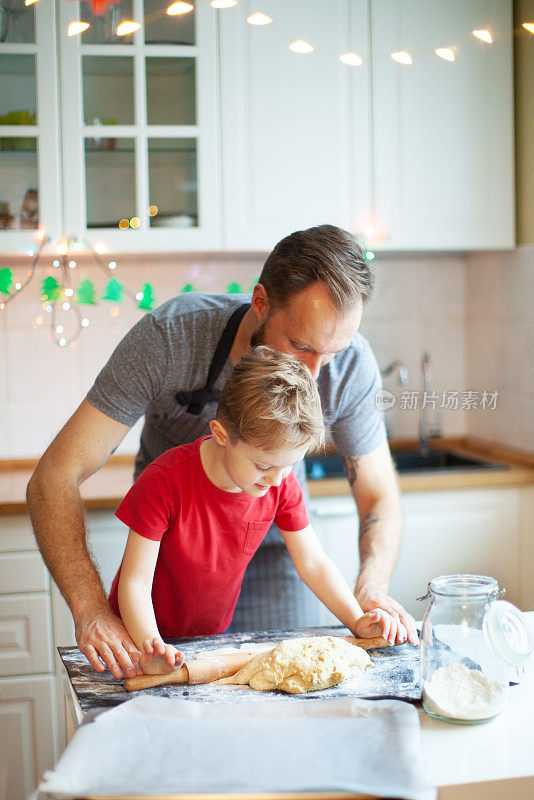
x: 29, y: 159
x: 140, y: 126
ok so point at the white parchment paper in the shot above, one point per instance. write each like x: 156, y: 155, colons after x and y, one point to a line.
x: 152, y: 745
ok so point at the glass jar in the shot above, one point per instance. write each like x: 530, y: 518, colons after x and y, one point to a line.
x: 470, y: 642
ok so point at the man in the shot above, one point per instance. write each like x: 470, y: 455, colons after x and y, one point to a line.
x: 171, y: 367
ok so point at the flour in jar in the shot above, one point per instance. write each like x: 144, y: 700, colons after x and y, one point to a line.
x: 461, y: 693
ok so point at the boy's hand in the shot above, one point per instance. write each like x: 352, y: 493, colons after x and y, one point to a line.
x: 159, y: 658
x: 379, y: 623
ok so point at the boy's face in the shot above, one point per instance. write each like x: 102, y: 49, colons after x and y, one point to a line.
x: 254, y: 470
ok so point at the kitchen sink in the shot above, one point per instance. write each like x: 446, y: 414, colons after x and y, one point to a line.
x: 330, y: 466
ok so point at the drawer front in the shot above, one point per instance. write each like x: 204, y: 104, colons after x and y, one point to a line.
x: 25, y: 634
x: 16, y: 533
x: 22, y: 572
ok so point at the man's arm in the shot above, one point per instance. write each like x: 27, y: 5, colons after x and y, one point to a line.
x: 82, y: 446
x: 374, y: 485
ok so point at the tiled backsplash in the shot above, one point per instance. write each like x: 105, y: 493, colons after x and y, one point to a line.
x: 420, y: 305
x: 500, y: 343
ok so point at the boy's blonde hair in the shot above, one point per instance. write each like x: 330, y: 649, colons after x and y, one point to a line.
x: 272, y: 402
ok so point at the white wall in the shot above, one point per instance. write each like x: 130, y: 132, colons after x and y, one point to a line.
x: 500, y: 343
x: 420, y: 305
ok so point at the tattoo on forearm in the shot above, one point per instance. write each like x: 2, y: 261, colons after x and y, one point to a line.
x: 367, y: 523
x: 350, y: 465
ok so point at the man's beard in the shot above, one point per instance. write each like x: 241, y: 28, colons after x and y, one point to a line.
x: 258, y: 337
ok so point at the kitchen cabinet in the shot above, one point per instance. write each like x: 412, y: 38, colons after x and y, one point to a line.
x: 28, y: 730
x: 203, y: 132
x: 140, y: 128
x: 443, y: 131
x: 295, y: 128
x: 484, y: 531
x: 29, y: 142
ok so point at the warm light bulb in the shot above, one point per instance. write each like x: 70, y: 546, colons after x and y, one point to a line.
x: 75, y: 28
x: 84, y: 323
x: 101, y: 249
x: 29, y: 2
x: 351, y: 59
x: 55, y: 263
x: 114, y: 312
x: 62, y: 342
x: 223, y: 3
x: 127, y: 27
x: 300, y: 46
x: 72, y: 265
x: 152, y: 211
x: 112, y: 265
x: 259, y: 19
x: 529, y: 26
x: 402, y: 57
x: 179, y: 8
x: 446, y: 53
x: 40, y: 235
x: 135, y: 222
x: 62, y: 249
x: 123, y: 224
x: 69, y: 292
x: 139, y: 296
x: 59, y: 328
x: 484, y: 36
x: 66, y: 306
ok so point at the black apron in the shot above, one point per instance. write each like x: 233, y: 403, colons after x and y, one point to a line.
x: 273, y: 596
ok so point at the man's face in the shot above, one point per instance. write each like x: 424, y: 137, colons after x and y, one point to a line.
x: 309, y: 328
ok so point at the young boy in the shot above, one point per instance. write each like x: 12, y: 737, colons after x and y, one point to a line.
x: 199, y: 512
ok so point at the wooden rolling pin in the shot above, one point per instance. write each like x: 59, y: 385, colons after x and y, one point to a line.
x: 205, y: 670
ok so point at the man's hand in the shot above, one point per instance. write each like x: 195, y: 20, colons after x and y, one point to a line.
x: 371, y: 598
x: 104, y: 641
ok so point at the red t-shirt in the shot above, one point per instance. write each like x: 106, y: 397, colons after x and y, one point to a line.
x: 208, y: 536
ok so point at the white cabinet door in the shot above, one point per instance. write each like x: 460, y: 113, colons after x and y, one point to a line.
x: 140, y: 123
x: 29, y: 136
x: 443, y: 131
x: 27, y: 734
x: 294, y: 153
x: 465, y: 530
x: 444, y: 532
x: 25, y: 634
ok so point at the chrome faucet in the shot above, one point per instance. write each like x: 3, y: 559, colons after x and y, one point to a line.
x: 429, y: 425
x: 400, y: 368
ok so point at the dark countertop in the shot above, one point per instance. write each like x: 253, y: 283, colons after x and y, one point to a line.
x: 395, y: 674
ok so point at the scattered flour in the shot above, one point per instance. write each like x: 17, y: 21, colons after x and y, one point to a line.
x: 461, y: 693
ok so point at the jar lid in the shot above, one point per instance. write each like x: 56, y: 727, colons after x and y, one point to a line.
x: 507, y: 634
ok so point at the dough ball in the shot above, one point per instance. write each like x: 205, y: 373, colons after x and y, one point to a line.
x: 303, y: 665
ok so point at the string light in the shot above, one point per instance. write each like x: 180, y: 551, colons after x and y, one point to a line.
x: 135, y: 222
x: 152, y: 211
x: 123, y: 224
x: 112, y: 265
x: 30, y: 2
x: 72, y: 264
x: 484, y: 36
x: 529, y: 26
x: 55, y: 263
x: 179, y: 8
x: 446, y: 53
x: 75, y: 28
x: 402, y: 57
x: 301, y: 47
x: 127, y: 27
x: 351, y: 59
x: 259, y: 19
x: 223, y: 3
x: 85, y: 322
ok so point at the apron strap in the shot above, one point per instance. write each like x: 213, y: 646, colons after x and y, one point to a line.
x: 195, y: 401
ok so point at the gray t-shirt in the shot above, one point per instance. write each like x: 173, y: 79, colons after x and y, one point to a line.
x: 170, y: 350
